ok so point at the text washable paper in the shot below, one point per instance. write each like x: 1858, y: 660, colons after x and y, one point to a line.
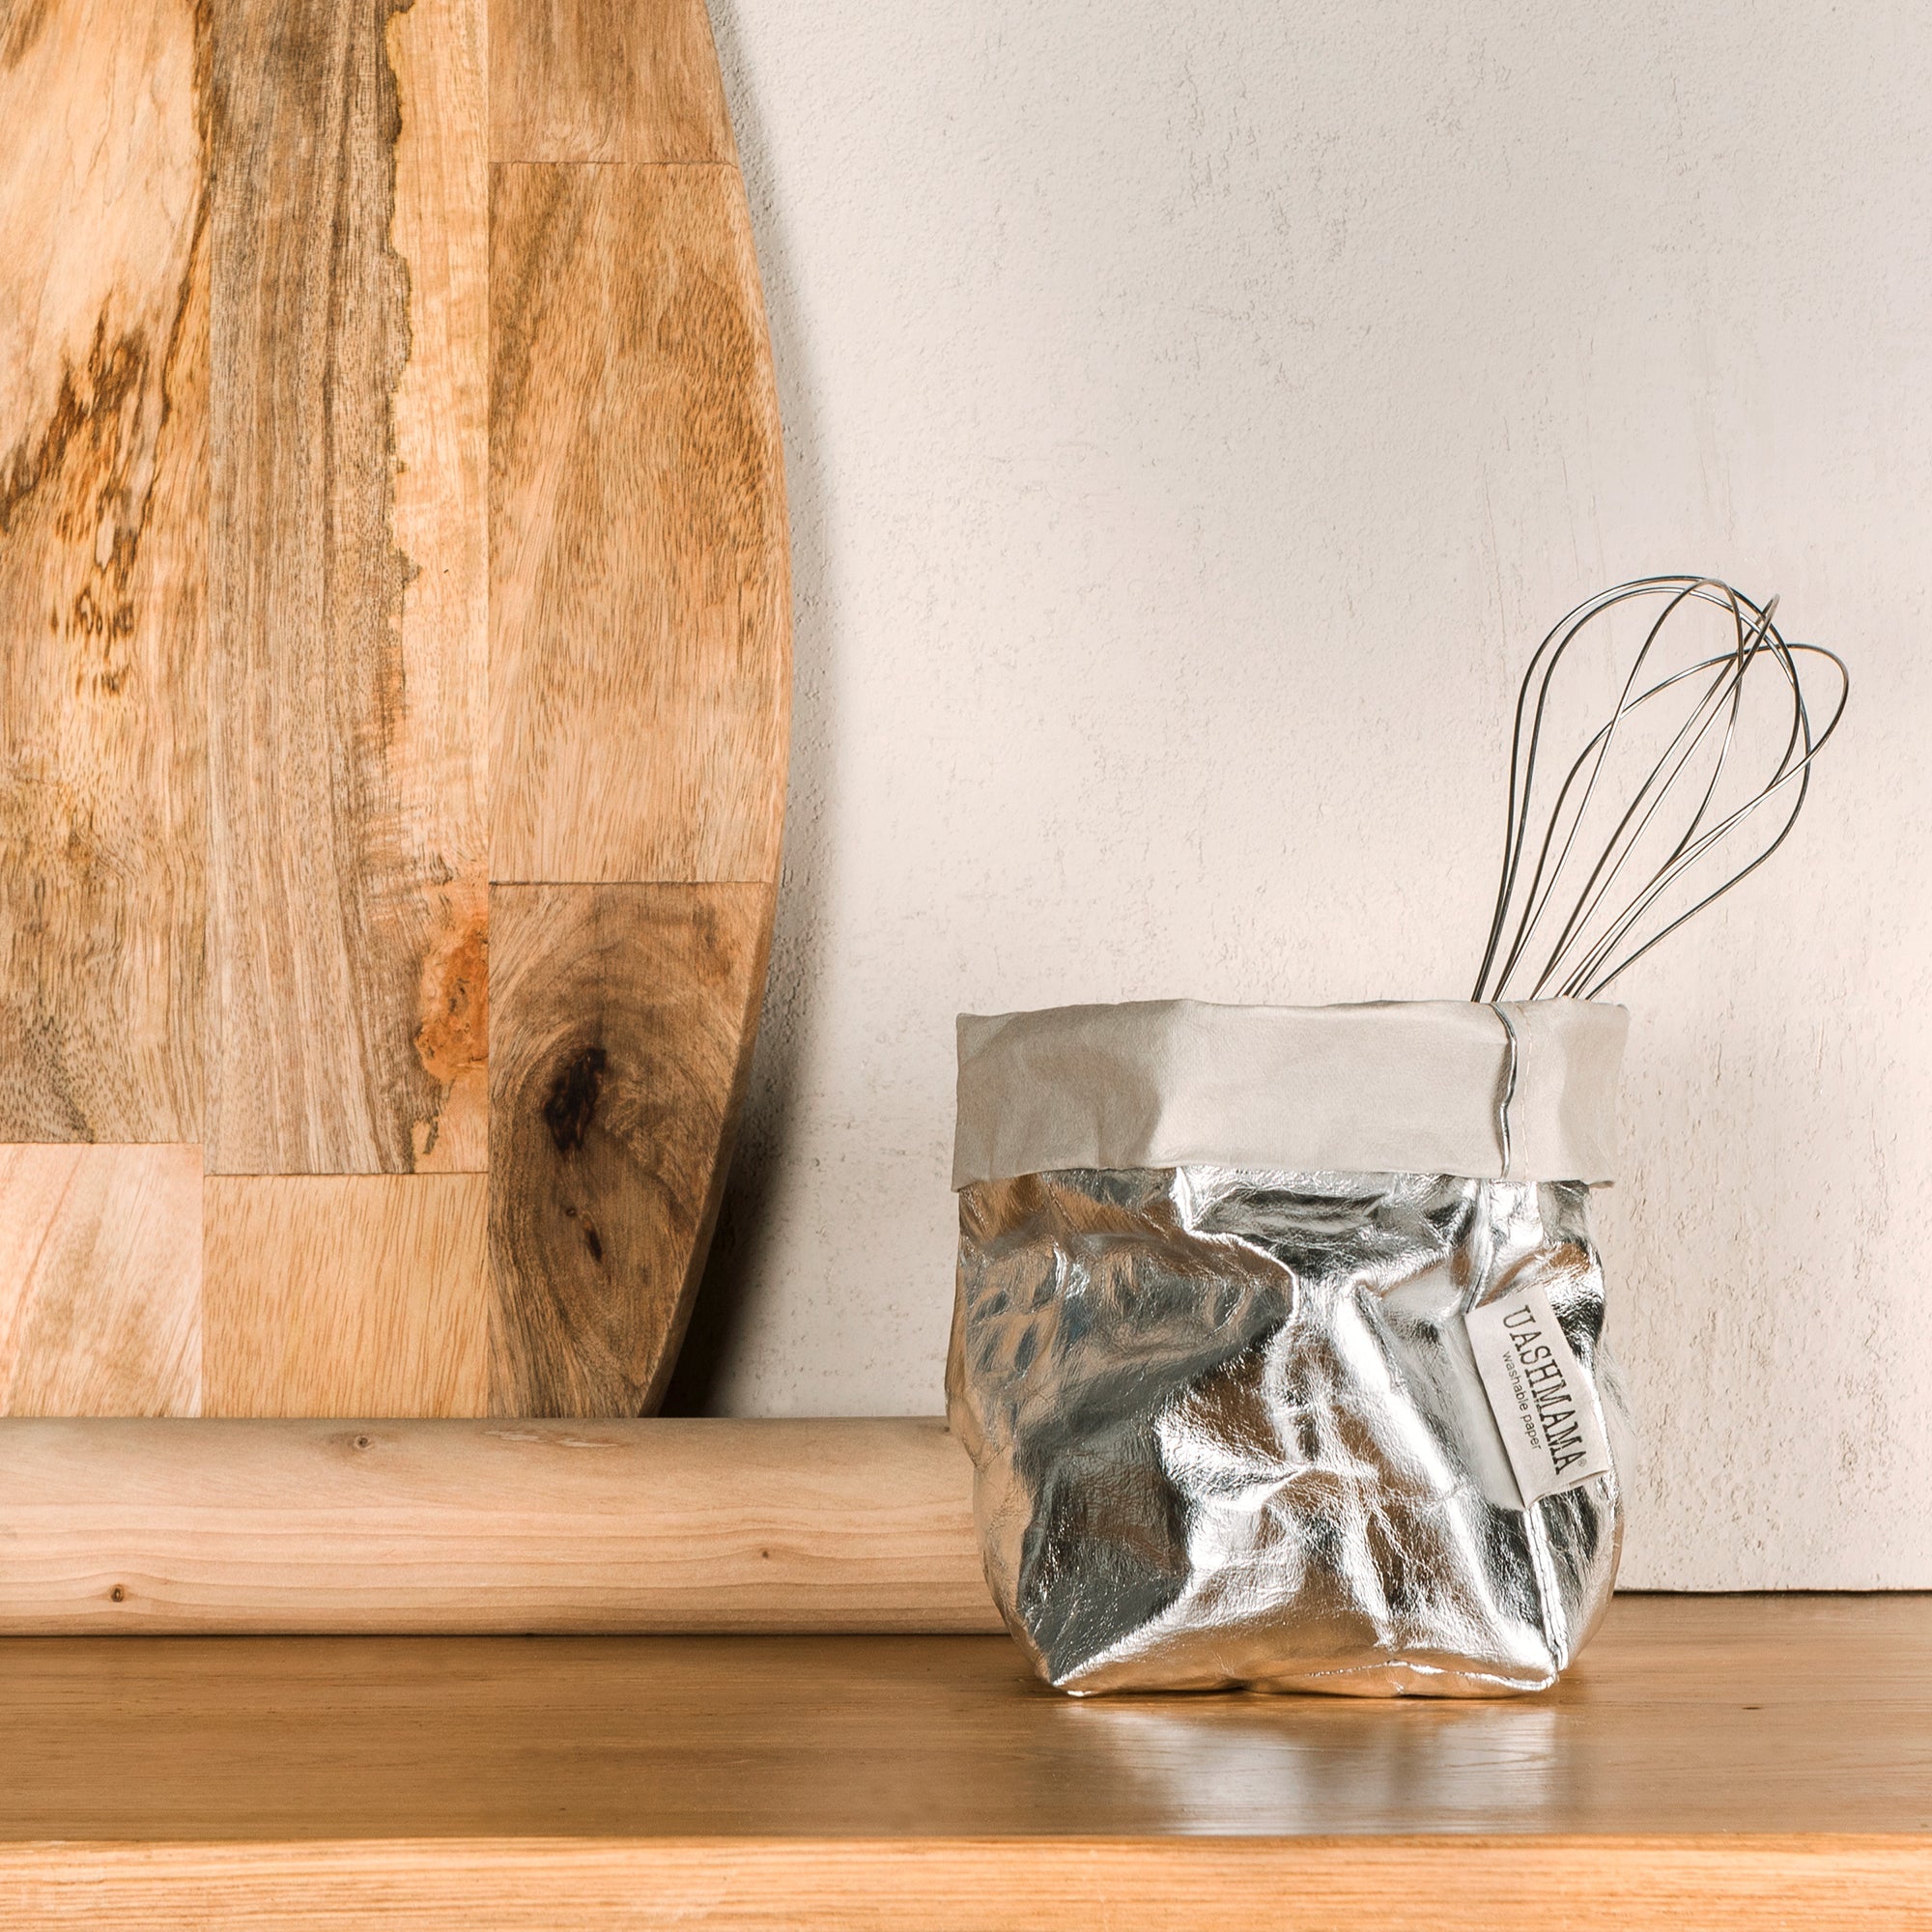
x: 1541, y: 1399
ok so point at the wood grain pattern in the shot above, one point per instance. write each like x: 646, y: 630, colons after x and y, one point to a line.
x: 625, y: 1019
x: 100, y: 1280
x: 1765, y: 1714
x: 1739, y: 1884
x: 639, y: 612
x: 356, y: 1294
x: 103, y: 426
x: 604, y: 80
x: 441, y: 1527
x: 283, y: 375
x: 346, y: 671
x: 442, y: 406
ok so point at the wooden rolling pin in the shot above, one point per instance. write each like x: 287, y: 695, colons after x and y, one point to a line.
x: 485, y: 1526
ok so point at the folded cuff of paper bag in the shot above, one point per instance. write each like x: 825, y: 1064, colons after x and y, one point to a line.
x: 1520, y: 1090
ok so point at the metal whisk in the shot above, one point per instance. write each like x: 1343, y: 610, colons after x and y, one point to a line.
x: 1553, y: 937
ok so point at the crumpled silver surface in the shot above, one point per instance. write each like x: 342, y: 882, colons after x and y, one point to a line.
x: 1229, y: 1431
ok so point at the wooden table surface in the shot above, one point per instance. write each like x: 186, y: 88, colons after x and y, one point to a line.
x: 1709, y: 1761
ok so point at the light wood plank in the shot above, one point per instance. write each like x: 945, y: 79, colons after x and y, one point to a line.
x: 357, y: 1294
x: 349, y: 639
x: 1865, y: 1884
x: 292, y: 1525
x: 625, y: 1020
x: 605, y: 80
x: 639, y: 614
x: 442, y: 231
x: 103, y: 426
x: 100, y: 1280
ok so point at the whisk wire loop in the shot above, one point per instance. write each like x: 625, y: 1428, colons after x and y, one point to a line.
x: 1599, y: 937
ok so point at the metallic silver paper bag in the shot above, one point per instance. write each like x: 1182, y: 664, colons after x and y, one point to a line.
x: 1278, y: 1341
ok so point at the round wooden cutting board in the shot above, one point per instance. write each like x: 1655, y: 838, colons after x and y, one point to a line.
x: 394, y: 678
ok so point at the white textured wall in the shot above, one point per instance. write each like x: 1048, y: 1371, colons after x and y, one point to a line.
x: 1194, y: 416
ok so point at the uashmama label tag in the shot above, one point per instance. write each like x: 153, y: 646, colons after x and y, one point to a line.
x: 1542, y: 1404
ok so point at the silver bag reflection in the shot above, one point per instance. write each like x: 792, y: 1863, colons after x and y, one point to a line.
x: 1278, y: 1342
